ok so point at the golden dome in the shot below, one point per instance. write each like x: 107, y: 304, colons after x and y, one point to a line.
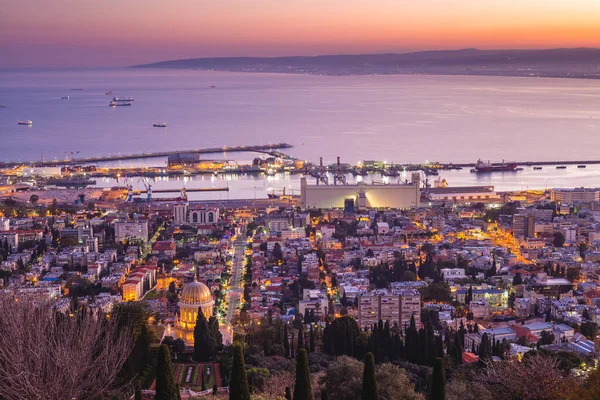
x: 195, y: 293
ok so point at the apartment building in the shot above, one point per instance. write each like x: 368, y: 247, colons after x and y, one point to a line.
x: 397, y: 307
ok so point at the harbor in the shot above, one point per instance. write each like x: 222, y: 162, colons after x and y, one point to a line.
x: 269, y: 173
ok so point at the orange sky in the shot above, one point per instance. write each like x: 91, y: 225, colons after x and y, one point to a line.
x: 124, y: 32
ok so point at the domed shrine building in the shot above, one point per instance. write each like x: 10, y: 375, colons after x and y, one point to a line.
x: 194, y: 295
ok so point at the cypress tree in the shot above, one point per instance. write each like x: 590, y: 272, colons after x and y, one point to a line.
x: 288, y: 393
x: 458, y: 350
x: 485, y: 351
x: 204, y: 346
x: 300, y: 338
x: 138, y: 394
x: 311, y: 340
x: 286, y: 341
x: 215, y: 333
x: 165, y: 384
x: 292, y: 349
x: 369, y: 384
x: 178, y: 391
x: 238, y: 388
x: 438, y: 381
x: 302, y: 386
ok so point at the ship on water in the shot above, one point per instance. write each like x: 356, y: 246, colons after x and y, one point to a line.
x: 487, y: 166
x: 160, y: 125
x: 121, y: 101
x: 28, y: 123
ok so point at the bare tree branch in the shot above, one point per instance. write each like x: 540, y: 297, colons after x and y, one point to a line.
x: 45, y: 354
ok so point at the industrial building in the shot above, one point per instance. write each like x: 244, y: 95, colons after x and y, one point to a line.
x: 360, y: 195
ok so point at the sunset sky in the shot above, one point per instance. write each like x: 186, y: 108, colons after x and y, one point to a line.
x: 37, y: 33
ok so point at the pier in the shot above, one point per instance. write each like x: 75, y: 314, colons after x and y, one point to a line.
x: 270, y: 149
x: 188, y: 190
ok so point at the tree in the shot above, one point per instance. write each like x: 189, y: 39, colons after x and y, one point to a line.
x: 204, y: 346
x: 589, y: 330
x: 33, y: 199
x: 536, y: 377
x: 286, y: 341
x: 469, y: 296
x: 215, y: 334
x: 45, y: 354
x: 438, y: 381
x: 546, y: 337
x: 517, y: 280
x: 341, y: 379
x: 369, y: 384
x: 582, y: 249
x: 573, y: 274
x: 288, y: 393
x: 393, y: 383
x: 238, y: 388
x: 559, y: 239
x: 302, y: 386
x: 277, y: 253
x: 165, y: 384
x: 485, y: 349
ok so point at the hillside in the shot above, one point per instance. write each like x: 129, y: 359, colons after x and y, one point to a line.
x: 576, y: 63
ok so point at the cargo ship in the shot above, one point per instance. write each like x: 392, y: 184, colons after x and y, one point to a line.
x: 121, y: 101
x: 487, y: 166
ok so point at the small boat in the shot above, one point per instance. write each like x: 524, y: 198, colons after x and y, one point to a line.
x: 582, y: 166
x: 27, y: 123
x: 561, y: 167
x: 519, y: 169
x: 77, y: 89
x: 2, y: 105
x: 537, y: 168
x: 212, y: 87
x: 108, y: 93
x: 160, y: 125
x: 66, y: 97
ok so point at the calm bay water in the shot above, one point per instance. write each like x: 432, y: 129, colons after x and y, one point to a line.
x: 392, y: 118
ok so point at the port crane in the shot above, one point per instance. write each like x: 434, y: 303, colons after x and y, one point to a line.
x: 322, y: 174
x: 148, y: 189
x: 339, y: 175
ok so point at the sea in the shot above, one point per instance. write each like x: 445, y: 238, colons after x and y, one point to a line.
x: 393, y: 118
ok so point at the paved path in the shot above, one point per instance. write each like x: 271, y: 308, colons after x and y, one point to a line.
x: 235, y: 288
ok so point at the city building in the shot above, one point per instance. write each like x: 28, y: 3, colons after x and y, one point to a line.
x: 184, y: 214
x: 397, y: 308
x: 575, y: 195
x: 466, y: 194
x: 131, y: 230
x: 523, y: 226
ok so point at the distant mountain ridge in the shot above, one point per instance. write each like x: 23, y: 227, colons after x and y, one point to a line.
x: 574, y: 62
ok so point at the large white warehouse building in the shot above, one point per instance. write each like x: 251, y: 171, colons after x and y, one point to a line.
x: 363, y: 195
